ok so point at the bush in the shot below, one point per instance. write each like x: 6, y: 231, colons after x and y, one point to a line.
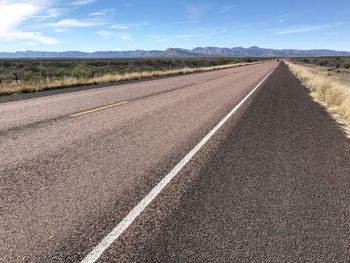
x: 323, y: 63
x: 81, y: 71
x: 33, y: 71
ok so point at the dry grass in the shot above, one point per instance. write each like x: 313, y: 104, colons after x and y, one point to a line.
x: 110, y: 78
x: 326, y: 90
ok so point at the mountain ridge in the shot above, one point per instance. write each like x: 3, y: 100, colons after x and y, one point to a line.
x: 253, y: 51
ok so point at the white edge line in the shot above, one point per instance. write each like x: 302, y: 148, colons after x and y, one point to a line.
x: 105, y: 243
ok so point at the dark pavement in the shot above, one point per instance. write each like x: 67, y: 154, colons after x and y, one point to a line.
x: 66, y: 180
x: 276, y: 189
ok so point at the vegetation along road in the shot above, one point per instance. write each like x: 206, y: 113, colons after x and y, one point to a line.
x: 233, y: 165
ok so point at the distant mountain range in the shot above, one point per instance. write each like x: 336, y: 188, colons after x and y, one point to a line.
x: 180, y: 53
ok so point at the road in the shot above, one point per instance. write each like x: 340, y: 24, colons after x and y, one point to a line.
x: 66, y: 180
x: 270, y: 185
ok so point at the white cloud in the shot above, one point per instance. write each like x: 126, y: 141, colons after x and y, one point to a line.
x: 180, y: 36
x: 126, y: 26
x: 12, y: 14
x: 106, y: 11
x: 82, y: 2
x: 105, y: 34
x: 301, y: 29
x: 75, y: 23
x: 119, y: 26
x: 109, y: 10
x: 125, y: 37
x: 97, y: 14
x: 188, y: 36
x: 60, y: 30
x: 50, y: 13
x: 35, y: 36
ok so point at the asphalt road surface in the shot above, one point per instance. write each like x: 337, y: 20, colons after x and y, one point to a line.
x: 272, y: 185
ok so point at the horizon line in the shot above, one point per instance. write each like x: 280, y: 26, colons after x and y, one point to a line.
x: 174, y: 48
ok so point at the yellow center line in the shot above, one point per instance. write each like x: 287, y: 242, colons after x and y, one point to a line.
x: 98, y: 109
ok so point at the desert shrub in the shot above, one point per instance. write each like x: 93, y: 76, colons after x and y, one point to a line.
x: 323, y: 63
x: 335, y: 62
x: 81, y: 71
x: 37, y: 70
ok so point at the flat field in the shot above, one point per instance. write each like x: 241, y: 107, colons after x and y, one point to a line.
x: 34, y: 75
x: 337, y: 67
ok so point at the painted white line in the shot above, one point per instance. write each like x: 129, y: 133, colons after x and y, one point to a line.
x: 98, y: 109
x: 96, y: 253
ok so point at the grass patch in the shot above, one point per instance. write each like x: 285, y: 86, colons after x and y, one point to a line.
x: 47, y: 83
x: 327, y: 91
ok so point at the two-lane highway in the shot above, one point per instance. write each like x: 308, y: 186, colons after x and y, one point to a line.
x: 73, y: 165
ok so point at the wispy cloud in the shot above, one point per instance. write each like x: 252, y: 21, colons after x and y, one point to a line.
x: 188, y: 36
x: 119, y: 26
x: 179, y: 36
x: 82, y: 2
x: 60, y: 30
x: 125, y: 37
x: 76, y: 23
x: 108, y: 11
x: 50, y: 13
x: 35, y: 36
x: 13, y: 14
x: 301, y: 29
x: 126, y: 26
x: 228, y: 8
x: 97, y: 14
x: 106, y: 35
x: 195, y: 11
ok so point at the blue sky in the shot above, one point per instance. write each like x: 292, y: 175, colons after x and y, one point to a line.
x: 90, y: 25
